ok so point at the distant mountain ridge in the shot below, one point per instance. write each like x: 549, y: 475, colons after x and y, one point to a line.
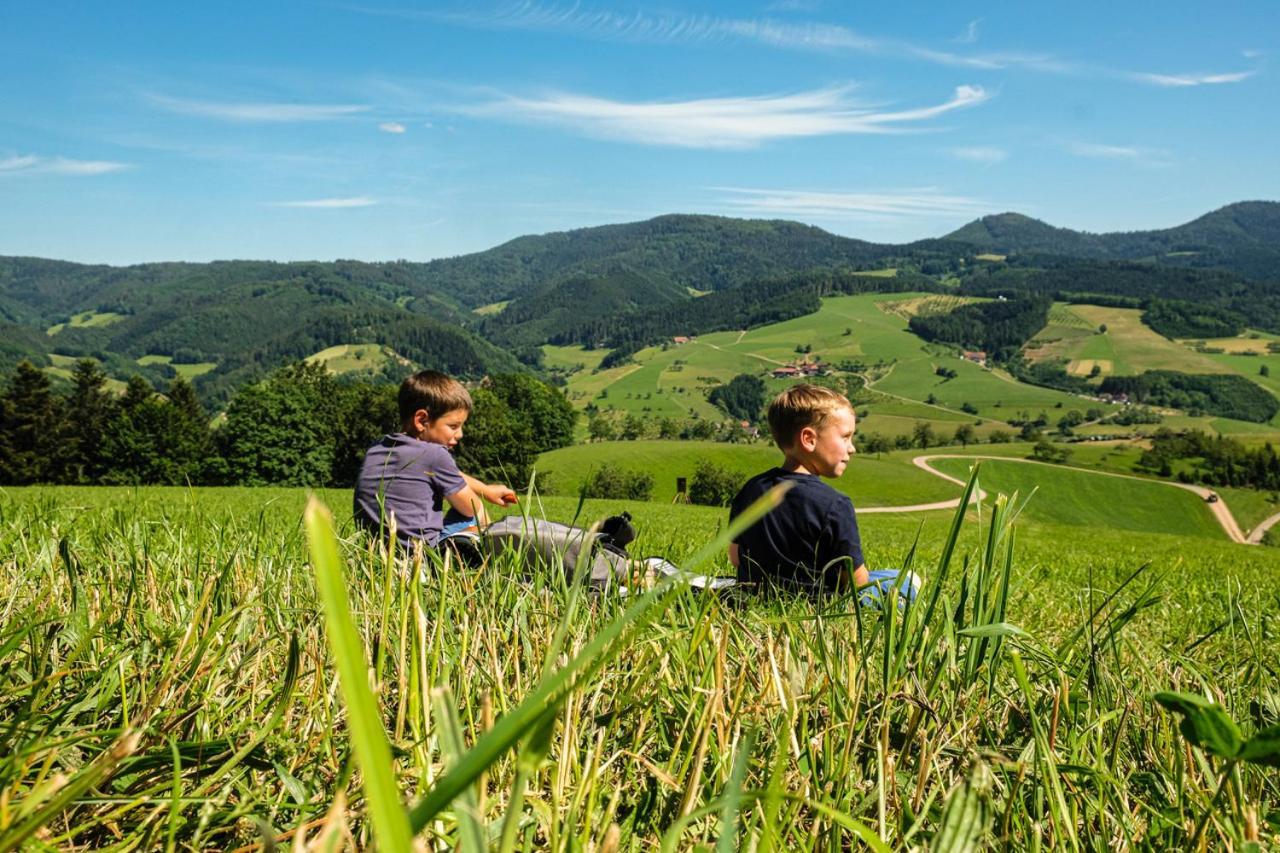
x: 584, y: 285
x: 1243, y: 237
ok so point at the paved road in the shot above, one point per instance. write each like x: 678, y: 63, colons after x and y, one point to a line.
x: 1219, y: 508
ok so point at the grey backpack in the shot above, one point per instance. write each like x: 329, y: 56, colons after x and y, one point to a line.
x: 553, y: 545
x: 605, y: 563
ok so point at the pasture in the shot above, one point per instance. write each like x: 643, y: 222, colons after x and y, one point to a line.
x: 354, y: 358
x: 86, y: 319
x: 179, y: 669
x: 185, y: 370
x: 869, y: 329
x: 1091, y: 500
x: 889, y: 481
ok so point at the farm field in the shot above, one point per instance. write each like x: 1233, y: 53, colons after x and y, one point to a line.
x: 186, y: 371
x: 673, y: 381
x: 351, y: 358
x: 63, y: 366
x: 1127, y: 347
x: 217, y: 703
x: 86, y: 319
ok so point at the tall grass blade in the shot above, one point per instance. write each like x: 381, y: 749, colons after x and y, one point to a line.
x: 364, y: 719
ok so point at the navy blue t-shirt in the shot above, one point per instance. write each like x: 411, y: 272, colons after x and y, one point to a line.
x: 801, y: 543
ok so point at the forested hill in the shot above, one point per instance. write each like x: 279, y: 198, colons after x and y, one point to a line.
x: 622, y: 286
x: 1242, y: 237
x: 242, y: 318
x: 701, y: 252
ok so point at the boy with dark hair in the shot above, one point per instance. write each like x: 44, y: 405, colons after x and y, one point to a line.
x: 411, y: 475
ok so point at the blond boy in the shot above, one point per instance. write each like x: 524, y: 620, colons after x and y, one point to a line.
x: 810, y: 542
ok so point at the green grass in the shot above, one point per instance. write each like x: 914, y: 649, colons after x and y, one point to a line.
x: 357, y: 358
x: 170, y: 678
x: 492, y: 308
x: 673, y: 381
x: 889, y: 481
x: 186, y: 371
x: 1091, y: 500
x: 86, y: 319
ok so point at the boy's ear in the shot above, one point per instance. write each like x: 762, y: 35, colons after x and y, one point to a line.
x: 808, y: 438
x: 421, y: 420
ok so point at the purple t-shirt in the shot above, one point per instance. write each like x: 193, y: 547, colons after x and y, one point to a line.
x: 410, y: 479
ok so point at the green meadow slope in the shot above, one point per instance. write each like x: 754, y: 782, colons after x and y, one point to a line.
x: 1093, y: 500
x: 869, y: 331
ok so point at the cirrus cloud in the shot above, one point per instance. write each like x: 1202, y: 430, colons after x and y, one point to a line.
x: 723, y: 123
x: 28, y: 164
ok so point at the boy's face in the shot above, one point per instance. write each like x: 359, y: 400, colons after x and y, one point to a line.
x: 446, y: 429
x: 830, y: 447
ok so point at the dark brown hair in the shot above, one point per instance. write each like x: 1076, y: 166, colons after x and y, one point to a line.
x: 800, y: 406
x: 433, y: 391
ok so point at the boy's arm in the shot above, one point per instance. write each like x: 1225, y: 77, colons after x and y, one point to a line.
x: 467, y: 502
x: 496, y: 493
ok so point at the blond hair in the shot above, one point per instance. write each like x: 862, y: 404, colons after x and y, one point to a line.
x: 802, y: 406
x: 433, y: 391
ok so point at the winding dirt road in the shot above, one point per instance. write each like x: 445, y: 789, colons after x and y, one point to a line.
x: 1219, y: 508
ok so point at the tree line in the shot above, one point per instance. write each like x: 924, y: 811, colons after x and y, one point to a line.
x: 1227, y: 395
x: 999, y: 328
x: 1215, y: 460
x: 298, y: 427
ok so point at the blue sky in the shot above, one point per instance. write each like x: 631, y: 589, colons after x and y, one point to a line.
x: 384, y: 129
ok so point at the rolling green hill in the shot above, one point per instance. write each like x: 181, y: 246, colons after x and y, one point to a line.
x: 867, y: 332
x: 1089, y: 500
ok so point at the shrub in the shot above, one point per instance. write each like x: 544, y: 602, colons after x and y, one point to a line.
x: 611, y: 481
x: 713, y: 485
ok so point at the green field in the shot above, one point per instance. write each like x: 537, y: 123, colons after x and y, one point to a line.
x: 1065, y: 496
x: 890, y: 481
x: 86, y: 319
x: 186, y: 371
x: 353, y: 358
x: 62, y: 369
x: 673, y: 380
x: 492, y: 308
x: 178, y: 672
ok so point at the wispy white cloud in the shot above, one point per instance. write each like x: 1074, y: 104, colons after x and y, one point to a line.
x: 970, y: 34
x: 28, y: 164
x: 1138, y: 154
x: 587, y: 22
x: 1185, y: 80
x: 392, y: 127
x: 921, y: 202
x: 986, y: 154
x: 255, y: 112
x: 328, y: 203
x: 743, y: 122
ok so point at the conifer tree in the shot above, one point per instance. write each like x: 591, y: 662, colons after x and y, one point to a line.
x: 31, y: 450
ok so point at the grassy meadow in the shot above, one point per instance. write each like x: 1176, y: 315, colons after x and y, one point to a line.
x: 870, y: 329
x: 196, y: 669
x: 889, y: 481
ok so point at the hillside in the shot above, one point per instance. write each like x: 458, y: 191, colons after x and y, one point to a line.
x: 623, y: 287
x: 1242, y: 237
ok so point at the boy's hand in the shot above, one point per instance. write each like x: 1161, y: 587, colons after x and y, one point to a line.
x: 500, y: 495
